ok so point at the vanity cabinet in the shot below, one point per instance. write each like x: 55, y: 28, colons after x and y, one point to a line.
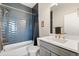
x: 44, y: 52
x: 53, y: 54
x: 48, y: 49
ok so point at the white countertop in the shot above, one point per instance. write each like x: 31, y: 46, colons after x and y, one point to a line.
x: 72, y: 45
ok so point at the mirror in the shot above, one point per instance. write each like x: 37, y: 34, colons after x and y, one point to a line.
x: 66, y: 16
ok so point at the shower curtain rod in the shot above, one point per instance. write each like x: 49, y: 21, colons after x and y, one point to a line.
x: 17, y: 9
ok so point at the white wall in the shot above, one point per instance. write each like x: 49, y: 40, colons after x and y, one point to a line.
x: 61, y: 10
x: 44, y: 15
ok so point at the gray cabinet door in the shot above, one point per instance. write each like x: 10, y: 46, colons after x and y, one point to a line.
x: 53, y: 54
x: 58, y: 50
x: 44, y: 52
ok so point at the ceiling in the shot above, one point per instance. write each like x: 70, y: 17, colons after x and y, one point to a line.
x: 31, y: 5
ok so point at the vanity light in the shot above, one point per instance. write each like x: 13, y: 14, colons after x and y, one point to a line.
x: 53, y: 4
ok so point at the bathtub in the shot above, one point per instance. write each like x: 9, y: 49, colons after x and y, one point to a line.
x: 17, y: 49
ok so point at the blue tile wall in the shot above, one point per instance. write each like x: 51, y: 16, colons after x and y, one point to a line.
x: 17, y: 26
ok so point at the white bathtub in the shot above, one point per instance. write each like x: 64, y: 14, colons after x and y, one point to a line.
x: 17, y: 49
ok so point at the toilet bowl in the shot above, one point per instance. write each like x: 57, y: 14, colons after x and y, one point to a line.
x: 33, y: 50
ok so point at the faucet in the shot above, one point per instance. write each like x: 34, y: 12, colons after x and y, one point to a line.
x: 58, y: 36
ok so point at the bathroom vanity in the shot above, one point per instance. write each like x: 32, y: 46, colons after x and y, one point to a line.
x: 49, y: 46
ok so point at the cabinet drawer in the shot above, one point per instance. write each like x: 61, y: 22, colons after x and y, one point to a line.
x: 62, y: 52
x: 58, y: 50
x: 45, y: 44
x: 44, y: 52
x: 53, y: 54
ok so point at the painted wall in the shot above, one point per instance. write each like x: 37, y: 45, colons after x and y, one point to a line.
x: 44, y: 15
x: 60, y: 10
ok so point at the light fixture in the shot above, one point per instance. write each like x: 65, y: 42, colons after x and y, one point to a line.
x: 53, y: 4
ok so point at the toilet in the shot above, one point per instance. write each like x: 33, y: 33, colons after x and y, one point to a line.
x: 33, y: 50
